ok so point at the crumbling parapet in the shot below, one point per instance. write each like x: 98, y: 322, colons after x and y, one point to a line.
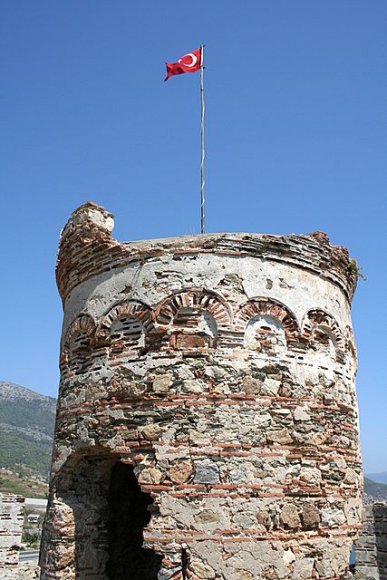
x: 11, y: 527
x: 207, y: 422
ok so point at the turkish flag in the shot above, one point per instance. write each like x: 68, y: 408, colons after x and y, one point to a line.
x: 190, y: 62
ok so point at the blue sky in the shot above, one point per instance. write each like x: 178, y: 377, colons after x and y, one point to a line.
x: 296, y: 139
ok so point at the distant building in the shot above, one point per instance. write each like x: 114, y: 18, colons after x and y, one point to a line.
x: 33, y: 518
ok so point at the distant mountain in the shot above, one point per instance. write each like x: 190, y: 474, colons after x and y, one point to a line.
x: 377, y: 491
x: 27, y: 422
x: 378, y: 477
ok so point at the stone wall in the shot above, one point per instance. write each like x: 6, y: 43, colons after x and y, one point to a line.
x: 11, y: 527
x: 207, y: 421
x: 371, y: 546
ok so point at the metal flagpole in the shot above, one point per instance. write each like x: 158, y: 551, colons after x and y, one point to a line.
x: 202, y: 158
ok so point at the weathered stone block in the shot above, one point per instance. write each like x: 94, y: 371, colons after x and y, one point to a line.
x: 207, y: 473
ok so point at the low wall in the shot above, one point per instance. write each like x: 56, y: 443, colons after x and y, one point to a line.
x: 11, y: 527
x: 371, y: 547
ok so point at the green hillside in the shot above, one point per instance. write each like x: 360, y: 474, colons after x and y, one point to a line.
x: 34, y: 414
x: 25, y: 486
x: 17, y: 451
x: 27, y: 422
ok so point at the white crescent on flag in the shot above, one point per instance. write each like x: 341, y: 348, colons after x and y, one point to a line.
x: 192, y: 63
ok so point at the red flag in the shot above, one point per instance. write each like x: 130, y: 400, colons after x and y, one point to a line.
x: 190, y: 62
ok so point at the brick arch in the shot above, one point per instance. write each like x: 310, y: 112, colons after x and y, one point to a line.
x: 268, y: 307
x: 318, y: 318
x: 350, y: 342
x: 319, y: 321
x: 83, y: 329
x: 82, y: 324
x: 125, y: 328
x: 130, y: 308
x: 200, y: 299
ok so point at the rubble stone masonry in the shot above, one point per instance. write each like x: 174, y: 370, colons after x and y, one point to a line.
x: 207, y: 423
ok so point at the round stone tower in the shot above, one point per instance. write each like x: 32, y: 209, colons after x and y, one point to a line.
x: 207, y: 423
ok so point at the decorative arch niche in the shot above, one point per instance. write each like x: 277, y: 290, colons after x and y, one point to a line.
x: 125, y: 328
x: 350, y: 345
x: 267, y: 325
x: 76, y: 353
x: 323, y: 334
x: 264, y: 332
x: 192, y: 319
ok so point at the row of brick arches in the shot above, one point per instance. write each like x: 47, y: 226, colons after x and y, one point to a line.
x: 198, y: 319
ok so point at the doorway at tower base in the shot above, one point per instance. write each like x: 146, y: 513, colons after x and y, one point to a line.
x: 100, y: 512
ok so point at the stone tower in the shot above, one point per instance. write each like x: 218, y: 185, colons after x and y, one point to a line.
x: 207, y: 422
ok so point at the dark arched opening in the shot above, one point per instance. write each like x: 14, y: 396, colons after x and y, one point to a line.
x: 128, y: 515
